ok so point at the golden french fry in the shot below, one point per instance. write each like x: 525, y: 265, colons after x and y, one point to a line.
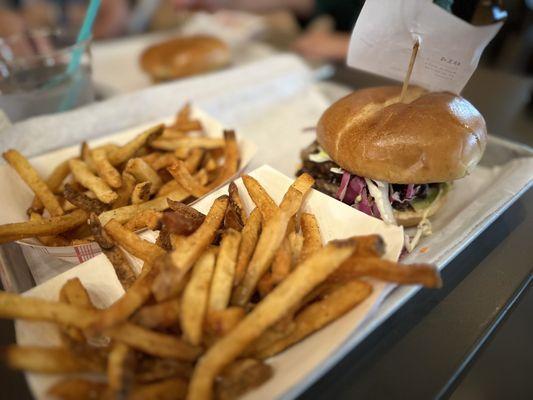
x: 45, y: 227
x: 142, y: 172
x: 282, y: 263
x: 145, y: 219
x: 46, y: 360
x: 140, y: 248
x: 29, y: 175
x: 141, y: 193
x: 184, y: 178
x: 48, y: 240
x: 84, y: 176
x: 414, y: 274
x: 317, y: 315
x: 75, y: 293
x: 163, y: 161
x: 123, y: 214
x: 190, y: 249
x: 220, y: 322
x: 54, y: 181
x: 240, y: 377
x: 222, y: 281
x: 125, y: 191
x: 236, y: 201
x: 105, y: 170
x: 296, y: 241
x: 127, y: 151
x: 81, y: 200
x: 87, y: 157
x: 157, y: 369
x: 287, y: 294
x: 260, y: 197
x: 188, y: 142
x: 231, y: 160
x: 311, y: 233
x: 120, y: 370
x: 195, y: 297
x: 169, y: 389
x: 159, y: 315
x: 78, y: 389
x: 250, y: 235
x: 173, y: 186
x: 193, y: 160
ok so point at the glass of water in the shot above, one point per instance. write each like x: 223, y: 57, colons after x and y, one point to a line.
x: 35, y: 77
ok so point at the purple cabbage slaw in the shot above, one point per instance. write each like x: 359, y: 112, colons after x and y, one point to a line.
x: 353, y: 191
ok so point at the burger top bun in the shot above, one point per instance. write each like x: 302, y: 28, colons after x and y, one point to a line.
x: 184, y: 56
x: 431, y: 137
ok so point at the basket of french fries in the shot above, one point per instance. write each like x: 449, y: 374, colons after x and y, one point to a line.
x: 230, y: 290
x: 128, y: 177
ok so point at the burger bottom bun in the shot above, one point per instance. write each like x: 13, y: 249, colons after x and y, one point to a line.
x: 412, y: 218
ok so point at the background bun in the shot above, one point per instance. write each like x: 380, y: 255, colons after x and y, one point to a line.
x: 184, y: 56
x: 432, y: 137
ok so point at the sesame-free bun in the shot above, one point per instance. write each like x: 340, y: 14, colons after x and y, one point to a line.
x: 185, y: 56
x: 430, y: 137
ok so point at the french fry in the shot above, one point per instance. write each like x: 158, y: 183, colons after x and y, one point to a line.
x: 105, y: 170
x: 78, y: 389
x: 282, y: 263
x: 28, y: 174
x: 195, y: 298
x: 240, y: 377
x: 236, y: 202
x: 54, y: 181
x: 140, y: 248
x: 123, y: 214
x: 46, y: 360
x: 220, y: 322
x: 83, y: 201
x: 224, y: 274
x: 287, y: 294
x: 184, y: 178
x: 75, y: 293
x: 189, y: 251
x: 311, y: 233
x: 414, y: 274
x: 250, y: 235
x: 125, y: 191
x: 163, y: 161
x: 83, y: 175
x: 183, y: 219
x: 141, y: 193
x: 155, y: 369
x: 49, y: 240
x: 164, y: 240
x: 142, y: 172
x: 260, y: 197
x: 120, y: 370
x: 231, y: 160
x: 188, y: 142
x: 159, y: 315
x: 193, y: 160
x: 45, y: 227
x: 145, y: 219
x: 296, y: 241
x: 319, y: 314
x: 87, y: 157
x: 130, y: 302
x: 169, y: 389
x: 127, y: 151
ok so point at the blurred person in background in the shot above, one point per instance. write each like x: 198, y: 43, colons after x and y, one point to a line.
x: 17, y: 16
x: 322, y: 40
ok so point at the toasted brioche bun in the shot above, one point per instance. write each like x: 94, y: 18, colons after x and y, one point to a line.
x: 412, y: 218
x: 431, y: 137
x: 185, y: 56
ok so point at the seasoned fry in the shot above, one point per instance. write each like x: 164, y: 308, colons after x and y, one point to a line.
x: 105, y: 170
x: 87, y: 157
x: 319, y: 314
x: 195, y: 297
x: 282, y: 264
x: 188, y: 142
x: 54, y: 181
x: 78, y: 389
x: 236, y: 202
x: 224, y: 275
x: 220, y: 322
x: 45, y: 227
x: 140, y: 248
x: 287, y: 294
x: 183, y: 220
x: 141, y: 193
x: 184, y: 178
x: 83, y: 175
x: 125, y: 191
x: 142, y: 172
x: 312, y: 240
x: 189, y: 251
x: 120, y: 370
x: 193, y: 160
x: 414, y: 274
x: 48, y: 240
x: 123, y: 214
x: 155, y: 369
x: 28, y: 174
x: 162, y: 315
x: 250, y: 235
x: 240, y: 377
x: 83, y: 201
x: 75, y: 293
x: 45, y: 360
x: 170, y: 389
x: 163, y: 161
x: 127, y: 151
x: 145, y: 219
x: 260, y: 197
x: 231, y: 160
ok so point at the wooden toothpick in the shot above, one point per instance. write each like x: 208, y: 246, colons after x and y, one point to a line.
x: 409, y: 70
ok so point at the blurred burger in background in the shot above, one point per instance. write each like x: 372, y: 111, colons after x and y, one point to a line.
x: 395, y: 160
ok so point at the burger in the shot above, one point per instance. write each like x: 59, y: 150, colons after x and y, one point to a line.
x: 395, y: 160
x: 185, y: 56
